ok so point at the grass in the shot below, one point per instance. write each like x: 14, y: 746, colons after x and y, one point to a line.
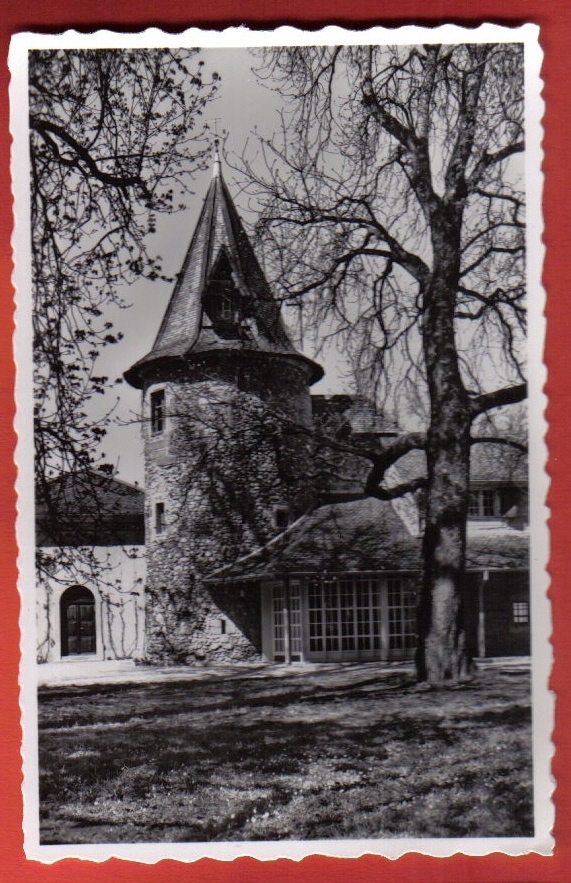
x: 352, y: 751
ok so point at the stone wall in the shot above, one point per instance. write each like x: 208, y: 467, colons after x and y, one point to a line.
x: 233, y: 451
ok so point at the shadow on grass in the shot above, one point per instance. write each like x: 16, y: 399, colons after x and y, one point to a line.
x: 351, y: 753
x: 83, y: 705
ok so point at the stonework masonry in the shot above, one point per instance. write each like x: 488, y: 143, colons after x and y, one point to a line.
x: 227, y: 423
x: 232, y: 451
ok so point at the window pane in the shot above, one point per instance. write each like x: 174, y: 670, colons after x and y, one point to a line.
x: 488, y: 497
x: 295, y: 618
x: 520, y: 612
x: 157, y: 411
x: 279, y: 636
x: 364, y: 613
x: 331, y: 617
x: 347, y: 611
x: 315, y: 610
x: 474, y: 503
x: 402, y: 615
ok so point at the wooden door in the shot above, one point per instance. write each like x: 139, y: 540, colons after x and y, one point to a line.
x: 78, y: 635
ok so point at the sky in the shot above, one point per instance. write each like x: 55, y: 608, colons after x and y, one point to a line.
x: 244, y: 107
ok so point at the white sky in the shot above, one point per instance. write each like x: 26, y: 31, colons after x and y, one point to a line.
x: 243, y: 107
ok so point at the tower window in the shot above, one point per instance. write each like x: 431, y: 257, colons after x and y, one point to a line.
x: 159, y: 517
x: 281, y: 517
x: 157, y: 411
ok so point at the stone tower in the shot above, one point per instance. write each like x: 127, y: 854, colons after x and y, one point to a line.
x: 226, y: 422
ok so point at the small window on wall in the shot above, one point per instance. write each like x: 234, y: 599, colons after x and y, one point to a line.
x: 159, y: 517
x: 157, y: 411
x: 484, y: 503
x: 520, y: 612
x: 281, y: 517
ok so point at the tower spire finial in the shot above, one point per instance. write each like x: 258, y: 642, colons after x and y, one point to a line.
x: 216, y: 163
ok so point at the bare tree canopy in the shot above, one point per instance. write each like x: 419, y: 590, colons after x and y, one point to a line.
x: 115, y: 138
x: 394, y: 214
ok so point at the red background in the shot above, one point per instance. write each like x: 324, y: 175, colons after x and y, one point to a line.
x: 554, y: 19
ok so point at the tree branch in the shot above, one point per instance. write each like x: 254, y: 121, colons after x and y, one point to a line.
x: 499, y: 440
x: 489, y: 159
x: 372, y: 489
x: 394, y: 127
x: 508, y: 395
x: 413, y: 145
x: 471, y: 84
x: 121, y: 182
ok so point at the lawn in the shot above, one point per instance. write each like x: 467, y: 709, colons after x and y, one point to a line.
x: 350, y: 751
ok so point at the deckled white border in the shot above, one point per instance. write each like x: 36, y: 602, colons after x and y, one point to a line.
x: 543, y: 700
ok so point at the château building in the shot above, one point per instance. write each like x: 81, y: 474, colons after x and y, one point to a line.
x: 250, y: 547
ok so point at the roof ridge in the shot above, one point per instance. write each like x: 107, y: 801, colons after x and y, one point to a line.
x: 98, y: 474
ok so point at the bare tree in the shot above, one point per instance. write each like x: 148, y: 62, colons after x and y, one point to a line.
x: 393, y: 211
x: 115, y: 138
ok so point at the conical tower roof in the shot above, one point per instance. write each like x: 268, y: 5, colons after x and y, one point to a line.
x: 219, y: 245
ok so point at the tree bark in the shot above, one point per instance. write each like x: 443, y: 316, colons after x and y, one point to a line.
x: 441, y: 652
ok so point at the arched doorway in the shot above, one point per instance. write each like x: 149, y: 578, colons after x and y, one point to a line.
x: 77, y: 618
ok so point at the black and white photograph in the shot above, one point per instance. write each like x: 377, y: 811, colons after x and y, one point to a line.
x: 282, y: 530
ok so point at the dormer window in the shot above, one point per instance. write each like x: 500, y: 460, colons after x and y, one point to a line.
x: 158, y: 412
x: 224, y: 304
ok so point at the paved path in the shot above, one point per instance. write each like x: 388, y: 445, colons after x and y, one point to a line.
x: 58, y: 674
x: 125, y: 671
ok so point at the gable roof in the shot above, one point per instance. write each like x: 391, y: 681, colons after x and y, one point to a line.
x: 89, y: 508
x: 182, y: 334
x: 365, y: 535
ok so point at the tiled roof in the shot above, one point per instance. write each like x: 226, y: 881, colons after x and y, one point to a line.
x: 181, y: 334
x: 365, y: 535
x: 510, y: 551
x: 489, y: 462
x: 90, y: 508
x: 354, y: 412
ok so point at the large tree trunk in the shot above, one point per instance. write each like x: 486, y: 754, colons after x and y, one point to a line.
x: 441, y: 652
